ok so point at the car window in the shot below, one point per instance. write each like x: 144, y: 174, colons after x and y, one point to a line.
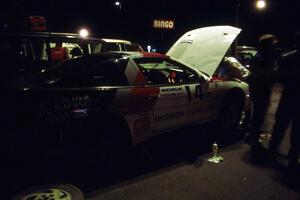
x: 133, y: 47
x: 165, y: 71
x: 62, y: 49
x: 19, y: 49
x: 16, y: 56
x: 40, y: 47
x: 108, y: 73
x: 95, y: 48
x: 84, y: 72
x: 110, y: 47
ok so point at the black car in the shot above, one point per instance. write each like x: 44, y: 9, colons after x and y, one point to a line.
x: 35, y: 50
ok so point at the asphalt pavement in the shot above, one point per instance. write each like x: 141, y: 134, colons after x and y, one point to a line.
x: 235, y: 178
x: 175, y: 166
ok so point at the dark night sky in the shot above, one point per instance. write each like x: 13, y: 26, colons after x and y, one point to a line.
x: 134, y: 21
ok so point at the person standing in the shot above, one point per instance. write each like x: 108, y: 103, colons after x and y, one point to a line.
x: 261, y: 83
x: 289, y: 107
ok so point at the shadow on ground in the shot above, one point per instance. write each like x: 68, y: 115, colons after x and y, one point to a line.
x: 153, y: 157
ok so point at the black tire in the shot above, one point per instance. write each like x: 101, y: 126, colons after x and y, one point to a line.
x: 61, y: 192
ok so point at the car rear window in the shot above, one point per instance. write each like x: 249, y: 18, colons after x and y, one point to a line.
x: 133, y: 47
x: 91, y: 71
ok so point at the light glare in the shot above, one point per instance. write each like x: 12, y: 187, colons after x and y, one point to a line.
x: 83, y: 33
x: 261, y: 4
x: 149, y: 48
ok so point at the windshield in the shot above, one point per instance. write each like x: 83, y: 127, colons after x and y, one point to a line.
x: 133, y: 47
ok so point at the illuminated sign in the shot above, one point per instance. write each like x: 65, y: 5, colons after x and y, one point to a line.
x: 163, y: 24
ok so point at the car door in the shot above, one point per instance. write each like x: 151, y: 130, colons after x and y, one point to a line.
x: 201, y: 105
x: 175, y: 91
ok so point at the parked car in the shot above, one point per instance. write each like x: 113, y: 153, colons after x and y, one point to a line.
x: 245, y: 55
x: 34, y: 50
x: 117, y: 45
x: 115, y: 99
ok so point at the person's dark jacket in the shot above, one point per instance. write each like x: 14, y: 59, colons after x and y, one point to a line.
x: 289, y: 72
x: 262, y: 71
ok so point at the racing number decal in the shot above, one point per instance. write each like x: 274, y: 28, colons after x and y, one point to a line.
x: 198, y: 92
x: 188, y: 90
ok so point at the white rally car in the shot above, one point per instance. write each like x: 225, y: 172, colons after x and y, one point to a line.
x: 194, y: 93
x: 118, y: 97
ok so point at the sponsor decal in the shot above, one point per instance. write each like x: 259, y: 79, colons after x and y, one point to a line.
x: 188, y: 41
x: 171, y: 91
x: 65, y: 107
x: 201, y: 92
x: 169, y: 116
x: 65, y: 103
x: 180, y: 114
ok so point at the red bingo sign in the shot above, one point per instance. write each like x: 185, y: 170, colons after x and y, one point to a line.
x: 163, y: 24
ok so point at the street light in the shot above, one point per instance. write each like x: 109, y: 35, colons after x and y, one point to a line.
x: 118, y: 4
x: 83, y: 32
x: 261, y: 4
x: 149, y: 48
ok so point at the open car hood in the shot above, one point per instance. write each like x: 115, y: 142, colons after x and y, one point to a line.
x: 204, y: 48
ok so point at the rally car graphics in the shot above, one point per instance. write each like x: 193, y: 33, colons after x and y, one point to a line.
x: 150, y: 93
x: 148, y: 110
x: 55, y: 105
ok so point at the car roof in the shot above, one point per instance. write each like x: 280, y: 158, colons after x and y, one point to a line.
x: 135, y: 54
x: 116, y: 41
x: 120, y: 54
x: 44, y: 35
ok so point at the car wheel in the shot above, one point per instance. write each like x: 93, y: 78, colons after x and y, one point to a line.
x: 61, y: 192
